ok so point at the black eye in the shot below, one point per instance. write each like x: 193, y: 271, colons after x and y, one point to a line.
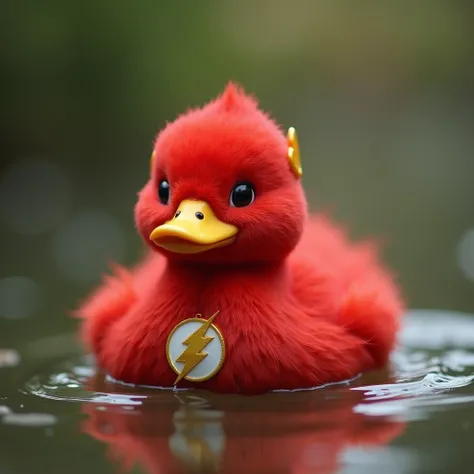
x: 242, y: 195
x: 164, y: 192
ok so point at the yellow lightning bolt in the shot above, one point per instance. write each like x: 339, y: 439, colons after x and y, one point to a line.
x: 196, y: 342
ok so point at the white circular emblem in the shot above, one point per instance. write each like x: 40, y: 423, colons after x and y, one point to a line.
x: 195, y: 349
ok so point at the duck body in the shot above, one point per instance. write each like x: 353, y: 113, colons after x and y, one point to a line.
x: 296, y: 303
x: 313, y: 319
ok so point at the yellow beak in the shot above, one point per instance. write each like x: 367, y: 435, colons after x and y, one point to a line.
x: 193, y: 229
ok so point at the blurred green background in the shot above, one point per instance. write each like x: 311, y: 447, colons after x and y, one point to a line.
x: 381, y: 93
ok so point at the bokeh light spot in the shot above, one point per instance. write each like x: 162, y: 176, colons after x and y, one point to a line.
x: 86, y: 244
x: 9, y: 358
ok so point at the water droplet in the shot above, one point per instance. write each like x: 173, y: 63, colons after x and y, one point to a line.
x: 19, y: 297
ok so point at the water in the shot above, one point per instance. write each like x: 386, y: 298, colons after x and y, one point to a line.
x: 58, y: 415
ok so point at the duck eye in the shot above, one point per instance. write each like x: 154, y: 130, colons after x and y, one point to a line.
x: 164, y: 192
x: 242, y: 195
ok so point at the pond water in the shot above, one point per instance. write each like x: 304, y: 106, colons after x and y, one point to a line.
x: 58, y: 415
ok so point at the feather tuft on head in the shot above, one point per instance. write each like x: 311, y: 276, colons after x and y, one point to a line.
x: 234, y: 99
x: 234, y: 121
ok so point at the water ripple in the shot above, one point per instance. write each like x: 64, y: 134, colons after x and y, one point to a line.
x: 432, y: 369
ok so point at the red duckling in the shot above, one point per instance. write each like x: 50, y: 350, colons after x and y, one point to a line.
x: 243, y: 291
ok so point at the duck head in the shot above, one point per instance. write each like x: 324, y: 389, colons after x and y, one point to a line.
x: 224, y: 186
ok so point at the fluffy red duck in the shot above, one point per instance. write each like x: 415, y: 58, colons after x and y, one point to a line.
x: 243, y: 290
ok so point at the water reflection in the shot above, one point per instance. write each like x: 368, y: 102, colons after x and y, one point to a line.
x: 180, y: 432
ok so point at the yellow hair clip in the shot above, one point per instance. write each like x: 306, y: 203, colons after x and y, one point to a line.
x: 293, y: 155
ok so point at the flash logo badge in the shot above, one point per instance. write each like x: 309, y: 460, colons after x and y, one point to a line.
x: 195, y: 349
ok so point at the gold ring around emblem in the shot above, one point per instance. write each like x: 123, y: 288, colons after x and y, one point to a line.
x: 171, y: 362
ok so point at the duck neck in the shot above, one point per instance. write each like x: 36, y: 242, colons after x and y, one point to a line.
x: 209, y: 288
x: 202, y: 272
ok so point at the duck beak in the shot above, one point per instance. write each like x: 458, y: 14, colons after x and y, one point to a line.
x: 193, y: 229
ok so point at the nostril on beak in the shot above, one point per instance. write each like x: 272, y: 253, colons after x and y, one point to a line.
x: 177, y: 214
x: 199, y: 215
